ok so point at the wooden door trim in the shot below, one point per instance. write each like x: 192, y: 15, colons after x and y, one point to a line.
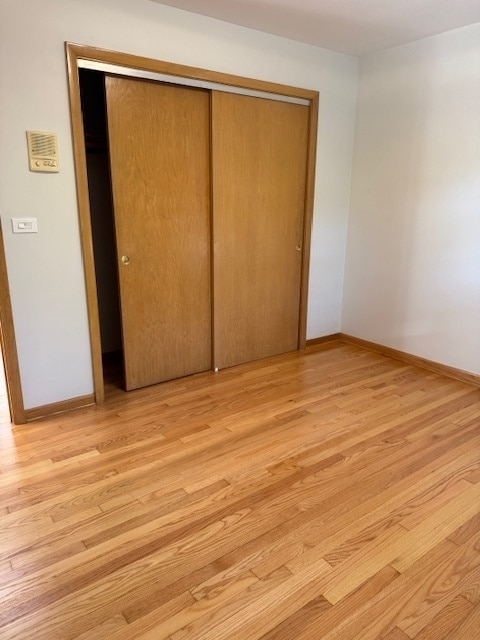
x: 308, y: 219
x: 94, y: 54
x: 9, y: 345
x: 83, y: 202
x: 76, y: 52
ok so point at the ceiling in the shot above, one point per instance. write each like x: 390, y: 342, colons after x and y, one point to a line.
x: 350, y: 26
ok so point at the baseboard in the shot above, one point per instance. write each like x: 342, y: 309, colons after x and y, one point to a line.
x: 49, y: 410
x: 430, y: 365
x: 331, y: 338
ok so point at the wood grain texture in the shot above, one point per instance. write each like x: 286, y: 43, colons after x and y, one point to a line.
x: 259, y: 164
x: 469, y: 629
x: 159, y: 139
x: 331, y: 494
x: 447, y: 620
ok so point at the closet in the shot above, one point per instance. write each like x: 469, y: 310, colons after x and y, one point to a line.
x: 209, y: 190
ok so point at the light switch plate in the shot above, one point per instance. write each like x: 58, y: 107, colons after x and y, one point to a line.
x: 24, y: 225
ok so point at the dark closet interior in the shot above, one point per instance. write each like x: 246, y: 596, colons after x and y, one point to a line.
x: 92, y: 91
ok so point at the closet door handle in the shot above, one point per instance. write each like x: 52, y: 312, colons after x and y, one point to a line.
x: 298, y: 248
x: 125, y: 260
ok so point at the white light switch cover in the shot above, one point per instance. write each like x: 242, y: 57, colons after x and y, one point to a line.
x: 24, y: 225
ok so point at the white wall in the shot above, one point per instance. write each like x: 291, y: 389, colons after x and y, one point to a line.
x: 45, y: 270
x: 412, y: 277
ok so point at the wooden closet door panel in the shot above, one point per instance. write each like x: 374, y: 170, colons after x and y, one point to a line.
x: 159, y: 138
x: 259, y: 158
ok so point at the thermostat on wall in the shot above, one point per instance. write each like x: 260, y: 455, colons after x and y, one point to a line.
x: 42, y: 151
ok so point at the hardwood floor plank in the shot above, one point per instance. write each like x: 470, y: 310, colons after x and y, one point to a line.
x: 468, y: 629
x: 437, y: 527
x: 391, y: 502
x: 328, y: 620
x: 147, y: 625
x: 328, y: 494
x: 96, y: 563
x: 293, y: 626
x: 259, y: 617
x: 379, y: 615
x: 466, y: 531
x: 213, y: 602
x: 105, y: 630
x: 400, y: 548
x: 447, y: 620
x: 412, y: 604
x: 453, y: 577
x: 396, y: 634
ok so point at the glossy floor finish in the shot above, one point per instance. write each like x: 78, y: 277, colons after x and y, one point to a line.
x: 332, y: 494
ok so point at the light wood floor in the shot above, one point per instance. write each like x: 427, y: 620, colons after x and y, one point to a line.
x: 327, y: 495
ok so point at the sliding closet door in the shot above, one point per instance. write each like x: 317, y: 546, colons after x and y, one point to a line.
x: 259, y: 157
x: 159, y: 139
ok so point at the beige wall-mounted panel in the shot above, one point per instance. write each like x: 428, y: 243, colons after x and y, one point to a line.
x: 42, y: 151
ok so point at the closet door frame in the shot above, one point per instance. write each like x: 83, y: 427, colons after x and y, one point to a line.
x: 75, y: 54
